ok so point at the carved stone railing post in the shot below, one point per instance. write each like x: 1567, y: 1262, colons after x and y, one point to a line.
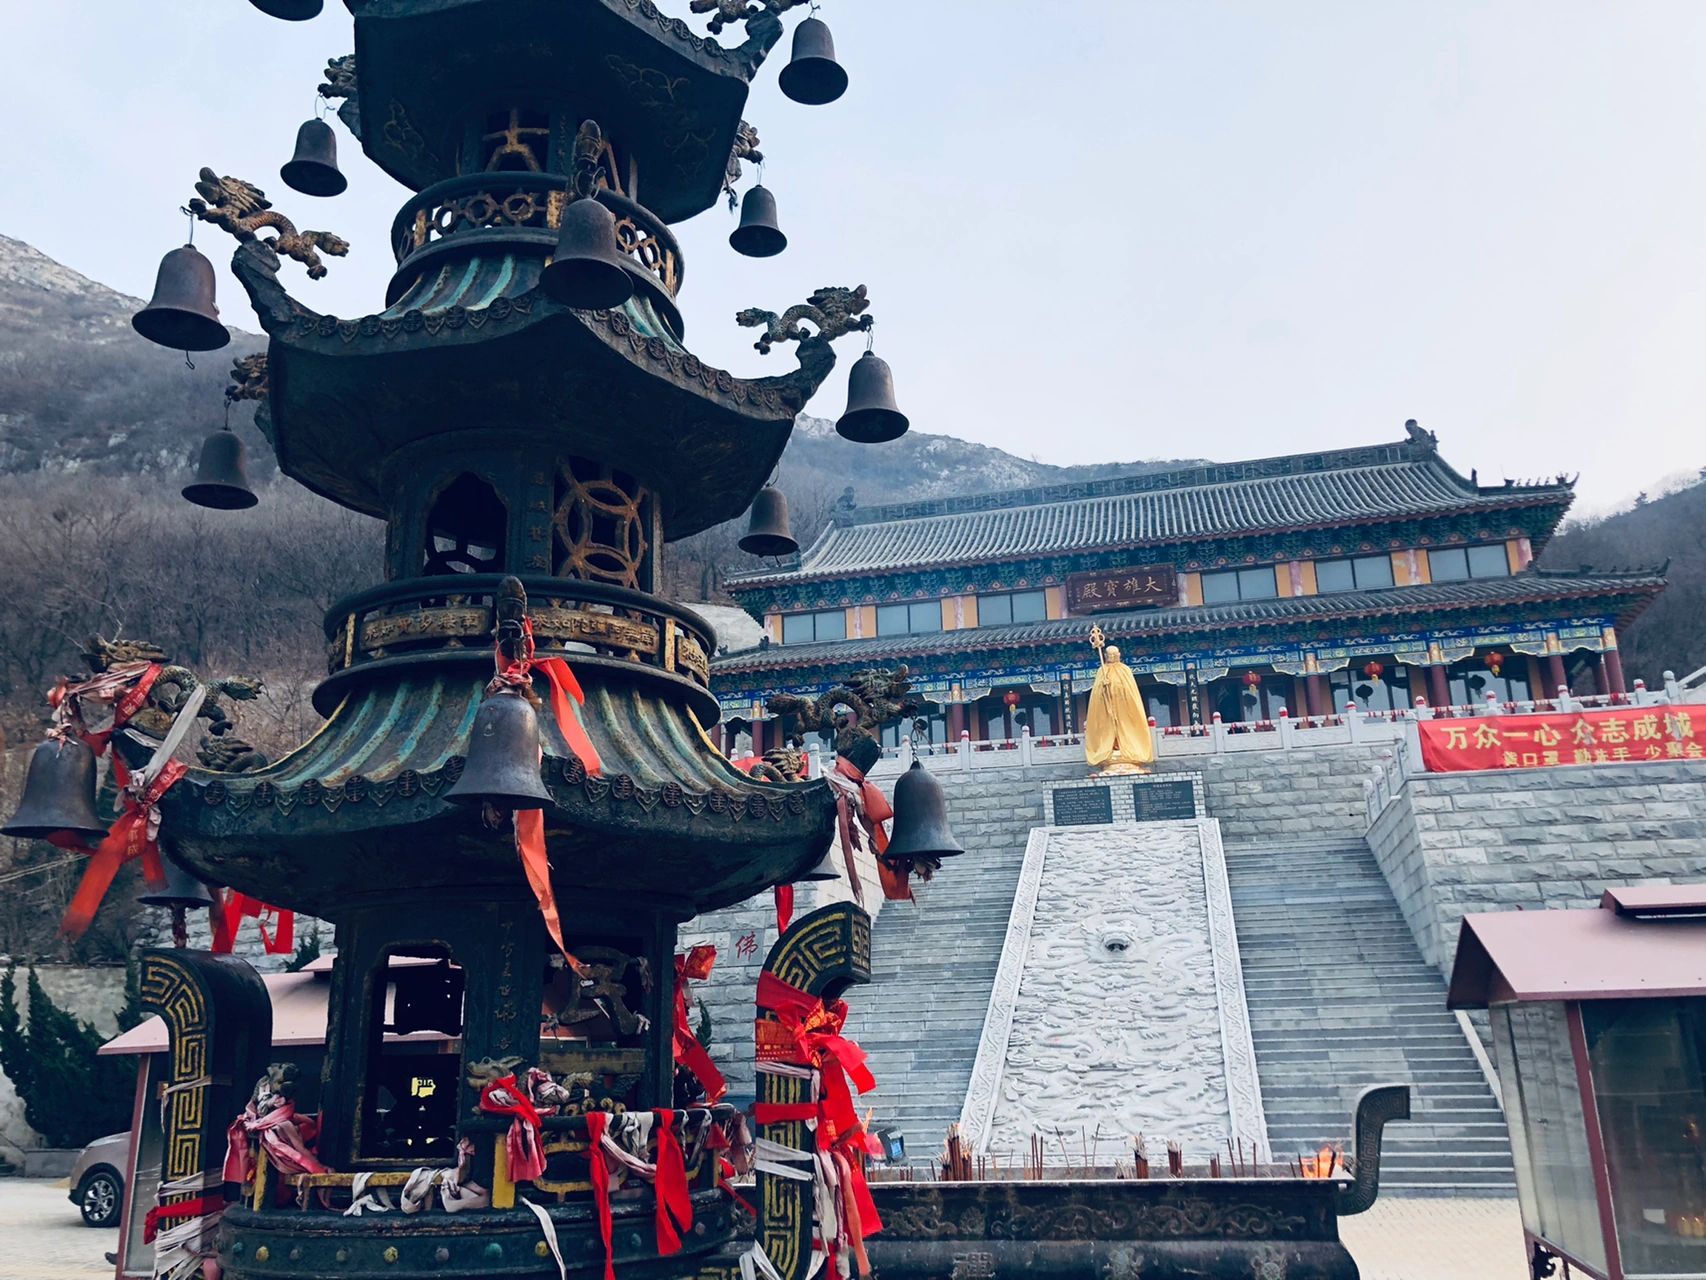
x: 1377, y: 1106
x: 821, y: 954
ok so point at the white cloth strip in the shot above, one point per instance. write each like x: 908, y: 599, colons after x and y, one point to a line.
x: 550, y: 1230
x: 755, y: 1264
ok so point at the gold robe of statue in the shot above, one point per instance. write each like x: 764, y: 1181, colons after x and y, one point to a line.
x: 1116, y: 730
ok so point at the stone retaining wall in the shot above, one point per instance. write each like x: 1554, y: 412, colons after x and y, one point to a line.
x: 1454, y: 843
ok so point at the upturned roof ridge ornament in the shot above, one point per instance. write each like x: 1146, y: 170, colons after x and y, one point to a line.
x: 340, y: 77
x: 248, y: 378
x: 834, y: 309
x: 745, y: 148
x: 726, y: 13
x: 243, y: 209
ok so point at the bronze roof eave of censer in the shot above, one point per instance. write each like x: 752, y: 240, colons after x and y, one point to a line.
x: 513, y: 801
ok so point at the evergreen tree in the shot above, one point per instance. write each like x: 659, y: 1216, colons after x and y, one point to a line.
x: 71, y: 1096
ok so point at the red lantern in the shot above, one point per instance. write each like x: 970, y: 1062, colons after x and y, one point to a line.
x: 1373, y: 671
x: 1253, y: 679
x: 1494, y: 661
x: 1011, y: 697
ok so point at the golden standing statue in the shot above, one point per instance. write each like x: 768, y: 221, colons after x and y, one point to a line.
x: 1116, y: 730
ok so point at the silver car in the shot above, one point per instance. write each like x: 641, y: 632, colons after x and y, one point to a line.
x: 97, y: 1186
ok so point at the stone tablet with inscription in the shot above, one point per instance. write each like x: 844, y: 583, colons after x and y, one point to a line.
x: 1171, y: 801
x: 1083, y: 806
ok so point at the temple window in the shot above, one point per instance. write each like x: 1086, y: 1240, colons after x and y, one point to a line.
x: 804, y: 628
x: 466, y: 528
x: 1471, y: 681
x: 1390, y: 692
x: 1454, y: 564
x: 909, y: 619
x: 1240, y: 584
x: 936, y: 722
x: 414, y: 1063
x: 1364, y: 573
x: 1011, y: 606
x: 515, y: 141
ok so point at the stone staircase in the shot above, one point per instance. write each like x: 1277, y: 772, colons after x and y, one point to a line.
x: 1340, y: 998
x: 933, y: 964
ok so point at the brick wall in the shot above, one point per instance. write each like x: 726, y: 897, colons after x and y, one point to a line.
x: 1450, y: 844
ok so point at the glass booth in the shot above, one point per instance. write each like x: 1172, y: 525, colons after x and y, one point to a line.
x: 1598, y: 1030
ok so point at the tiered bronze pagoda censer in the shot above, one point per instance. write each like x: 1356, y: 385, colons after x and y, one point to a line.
x: 513, y: 802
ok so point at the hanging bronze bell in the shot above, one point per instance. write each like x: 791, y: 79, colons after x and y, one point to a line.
x: 313, y: 170
x: 758, y: 236
x: 502, y: 765
x: 221, y: 478
x: 920, y: 831
x: 183, y: 890
x: 59, y: 794
x: 181, y: 314
x: 767, y: 532
x: 588, y: 271
x: 872, y: 416
x: 290, y: 10
x: 813, y: 76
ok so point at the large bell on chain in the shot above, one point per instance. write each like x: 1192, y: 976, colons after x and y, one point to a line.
x: 221, y: 478
x: 502, y: 765
x: 872, y: 416
x: 183, y: 890
x: 813, y: 76
x: 767, y: 532
x: 290, y: 10
x: 59, y: 794
x: 920, y: 832
x: 181, y: 314
x: 313, y: 170
x: 758, y: 236
x: 588, y: 271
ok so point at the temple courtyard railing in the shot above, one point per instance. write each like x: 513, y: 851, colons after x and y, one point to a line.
x: 1353, y: 726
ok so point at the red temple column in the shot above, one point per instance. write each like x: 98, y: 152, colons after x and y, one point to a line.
x: 1556, y: 676
x: 757, y: 737
x: 1321, y: 696
x: 1439, y: 688
x: 956, y: 720
x: 1613, y: 672
x: 1300, y: 695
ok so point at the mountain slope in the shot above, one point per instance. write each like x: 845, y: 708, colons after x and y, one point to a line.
x: 1669, y: 636
x: 81, y: 390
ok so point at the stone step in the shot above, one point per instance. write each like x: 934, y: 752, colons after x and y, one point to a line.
x: 1338, y: 998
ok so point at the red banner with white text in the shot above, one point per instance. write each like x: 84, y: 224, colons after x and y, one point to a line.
x: 1625, y: 735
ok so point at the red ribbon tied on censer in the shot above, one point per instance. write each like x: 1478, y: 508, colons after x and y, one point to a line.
x: 695, y: 965
x: 523, y: 1144
x: 806, y: 1031
x: 516, y: 675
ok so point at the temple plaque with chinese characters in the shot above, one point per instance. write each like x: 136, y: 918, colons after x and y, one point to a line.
x: 1151, y: 586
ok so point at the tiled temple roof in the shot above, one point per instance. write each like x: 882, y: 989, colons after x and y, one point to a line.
x: 1632, y: 590
x: 1379, y: 483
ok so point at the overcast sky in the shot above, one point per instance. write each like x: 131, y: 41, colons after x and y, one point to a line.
x: 1113, y: 231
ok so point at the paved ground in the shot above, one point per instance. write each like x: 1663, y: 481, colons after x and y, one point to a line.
x: 1437, y: 1239
x: 42, y: 1238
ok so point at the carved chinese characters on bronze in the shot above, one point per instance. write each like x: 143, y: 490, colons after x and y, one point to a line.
x: 1146, y: 586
